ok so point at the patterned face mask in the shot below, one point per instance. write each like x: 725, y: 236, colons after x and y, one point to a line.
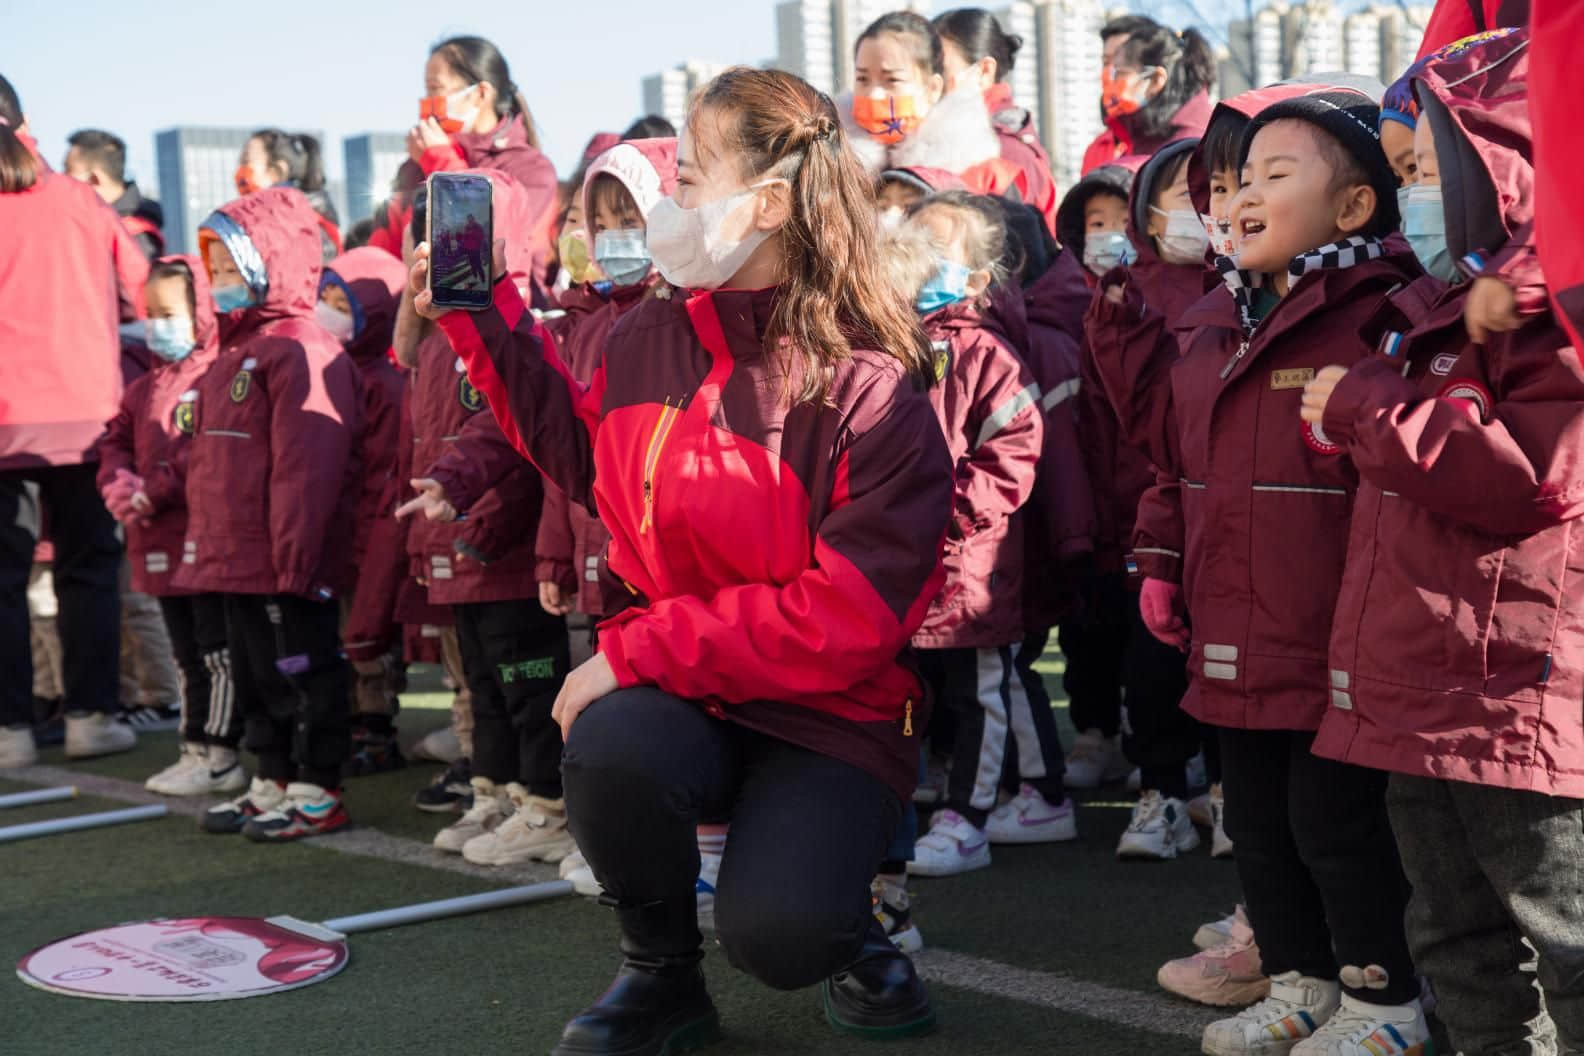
x: 888, y: 118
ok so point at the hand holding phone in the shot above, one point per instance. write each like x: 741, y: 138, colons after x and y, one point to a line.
x: 461, y: 237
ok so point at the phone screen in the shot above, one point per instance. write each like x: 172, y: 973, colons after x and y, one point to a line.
x: 461, y: 238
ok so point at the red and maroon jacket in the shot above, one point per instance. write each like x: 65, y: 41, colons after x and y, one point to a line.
x: 1117, y: 141
x: 507, y: 150
x: 1043, y: 322
x: 150, y: 435
x: 987, y: 404
x: 780, y: 557
x: 1252, y: 508
x: 1458, y: 646
x: 1020, y: 144
x: 273, y: 477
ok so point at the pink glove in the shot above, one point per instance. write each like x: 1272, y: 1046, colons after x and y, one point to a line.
x: 119, y: 494
x: 1160, y: 603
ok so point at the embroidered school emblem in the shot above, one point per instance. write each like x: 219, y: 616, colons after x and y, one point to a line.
x: 1318, y: 441
x: 241, y: 385
x: 470, y: 397
x: 183, y: 418
x: 1473, y: 396
x: 1296, y: 378
x: 1443, y: 364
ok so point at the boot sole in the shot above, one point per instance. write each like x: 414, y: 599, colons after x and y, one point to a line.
x: 912, y: 1028
x: 689, y: 1037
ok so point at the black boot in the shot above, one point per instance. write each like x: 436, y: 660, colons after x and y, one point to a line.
x: 879, y: 996
x: 658, y: 1005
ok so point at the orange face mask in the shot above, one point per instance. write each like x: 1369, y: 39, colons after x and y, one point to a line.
x: 436, y: 106
x: 1116, y: 92
x: 888, y: 118
x: 245, y: 183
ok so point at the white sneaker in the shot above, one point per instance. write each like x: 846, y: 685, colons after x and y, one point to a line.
x: 1361, y: 1029
x: 535, y: 832
x: 1095, y: 760
x: 209, y: 769
x: 1030, y: 818
x: 1220, y: 842
x: 951, y: 846
x: 97, y: 734
x: 575, y: 867
x: 440, y: 746
x: 893, y: 908
x: 17, y: 747
x: 490, y: 808
x: 704, y: 890
x: 1160, y: 829
x: 1220, y: 932
x: 261, y: 797
x: 189, y: 756
x: 1297, y: 1007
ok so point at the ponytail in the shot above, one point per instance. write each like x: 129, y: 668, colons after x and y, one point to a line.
x: 1190, y: 66
x: 978, y: 34
x: 834, y: 295
x: 296, y: 153
x: 19, y: 167
x: 477, y: 61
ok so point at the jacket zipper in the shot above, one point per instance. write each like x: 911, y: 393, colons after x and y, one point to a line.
x: 1233, y: 362
x: 657, y: 440
x: 907, y: 719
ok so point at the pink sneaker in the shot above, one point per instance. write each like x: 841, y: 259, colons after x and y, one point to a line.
x: 1226, y: 976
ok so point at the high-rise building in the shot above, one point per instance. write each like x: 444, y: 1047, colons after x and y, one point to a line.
x: 1067, y: 57
x: 1315, y: 32
x: 197, y: 172
x: 806, y: 41
x: 371, y: 163
x: 1283, y: 41
x: 669, y: 92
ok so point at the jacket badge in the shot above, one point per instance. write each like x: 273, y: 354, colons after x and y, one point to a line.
x: 1471, y: 395
x: 1296, y: 378
x: 182, y: 418
x: 471, y: 398
x: 1443, y: 364
x: 1318, y: 441
x: 241, y: 385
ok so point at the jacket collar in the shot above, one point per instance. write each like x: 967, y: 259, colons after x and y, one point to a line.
x: 1336, y: 256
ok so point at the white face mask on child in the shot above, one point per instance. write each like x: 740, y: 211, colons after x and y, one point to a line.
x: 1185, y: 239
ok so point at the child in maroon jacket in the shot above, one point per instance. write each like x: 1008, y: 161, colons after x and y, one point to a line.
x: 142, y: 462
x: 1457, y: 653
x: 273, y: 471
x: 988, y: 407
x: 1249, y: 526
x: 358, y: 295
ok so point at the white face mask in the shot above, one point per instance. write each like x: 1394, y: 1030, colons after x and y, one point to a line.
x: 1219, y: 233
x: 688, y: 247
x: 1185, y: 239
x: 337, y: 322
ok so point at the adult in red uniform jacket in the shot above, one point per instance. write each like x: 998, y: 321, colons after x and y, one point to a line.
x: 1159, y: 90
x: 61, y: 253
x: 273, y: 487
x: 780, y: 552
x: 1457, y: 653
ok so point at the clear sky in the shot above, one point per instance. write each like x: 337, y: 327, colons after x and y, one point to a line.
x: 345, y: 67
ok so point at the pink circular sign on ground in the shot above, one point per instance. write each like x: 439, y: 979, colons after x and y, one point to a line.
x: 194, y: 959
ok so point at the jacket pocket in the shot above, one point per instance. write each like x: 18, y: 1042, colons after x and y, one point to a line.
x: 1299, y: 534
x: 1521, y: 632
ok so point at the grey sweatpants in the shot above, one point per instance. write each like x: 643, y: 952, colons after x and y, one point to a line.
x: 1492, y: 868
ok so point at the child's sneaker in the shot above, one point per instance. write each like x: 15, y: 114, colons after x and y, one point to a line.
x: 704, y: 890
x: 189, y: 757
x: 1361, y: 1029
x: 1095, y: 760
x: 1227, y: 976
x: 1219, y: 932
x: 894, y: 910
x: 1030, y: 818
x: 17, y: 746
x: 1220, y: 842
x: 374, y: 752
x: 306, y: 810
x: 262, y: 796
x: 211, y: 769
x: 438, y: 746
x: 88, y: 736
x: 490, y: 808
x: 449, y: 793
x: 952, y: 845
x: 1297, y: 1007
x: 575, y: 867
x: 1160, y: 829
x: 536, y: 831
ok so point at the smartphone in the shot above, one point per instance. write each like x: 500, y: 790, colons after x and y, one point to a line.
x: 461, y: 240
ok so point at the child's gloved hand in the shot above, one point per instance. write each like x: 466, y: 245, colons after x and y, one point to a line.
x: 119, y: 494
x: 1160, y: 603
x: 1491, y: 308
x: 1318, y: 392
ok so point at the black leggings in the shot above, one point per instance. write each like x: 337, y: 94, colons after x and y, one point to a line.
x: 515, y: 657
x: 197, y: 628
x: 642, y: 768
x: 293, y: 685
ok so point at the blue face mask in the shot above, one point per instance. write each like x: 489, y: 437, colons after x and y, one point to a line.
x: 171, y: 338
x: 232, y: 298
x: 622, y: 255
x: 1105, y: 250
x: 1424, y: 226
x: 948, y: 285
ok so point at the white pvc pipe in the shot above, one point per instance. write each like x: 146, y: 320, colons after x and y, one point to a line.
x: 42, y: 795
x: 449, y: 907
x: 81, y: 821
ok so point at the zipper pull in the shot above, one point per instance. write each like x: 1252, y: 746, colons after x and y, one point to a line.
x: 1233, y: 362
x: 907, y: 719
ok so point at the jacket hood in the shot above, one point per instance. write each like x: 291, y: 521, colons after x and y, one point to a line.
x: 133, y: 203
x: 955, y: 135
x: 1144, y: 188
x: 1242, y: 109
x: 1113, y: 178
x: 646, y: 167
x: 598, y: 144
x: 273, y: 235
x: 1477, y: 103
x: 1059, y: 298
x: 372, y: 280
x: 926, y: 179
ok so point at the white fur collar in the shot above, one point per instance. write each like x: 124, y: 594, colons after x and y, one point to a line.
x: 956, y: 135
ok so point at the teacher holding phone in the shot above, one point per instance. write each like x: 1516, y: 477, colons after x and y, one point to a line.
x: 777, y: 491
